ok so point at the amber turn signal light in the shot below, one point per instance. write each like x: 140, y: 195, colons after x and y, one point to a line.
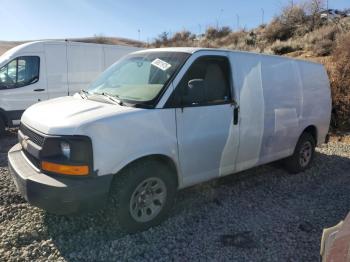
x: 65, y: 169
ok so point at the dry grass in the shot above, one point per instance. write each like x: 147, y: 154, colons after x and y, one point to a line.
x: 340, y: 77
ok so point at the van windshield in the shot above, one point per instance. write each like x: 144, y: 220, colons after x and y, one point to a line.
x: 140, y: 77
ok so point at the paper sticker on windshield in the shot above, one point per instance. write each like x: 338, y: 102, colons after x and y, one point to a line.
x: 161, y: 64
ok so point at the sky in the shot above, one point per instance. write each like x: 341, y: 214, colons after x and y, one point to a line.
x: 139, y: 20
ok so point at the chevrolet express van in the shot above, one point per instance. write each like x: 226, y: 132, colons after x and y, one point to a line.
x: 164, y: 119
x: 42, y: 70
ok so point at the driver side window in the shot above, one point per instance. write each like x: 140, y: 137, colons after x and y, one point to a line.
x: 20, y: 72
x: 207, y: 82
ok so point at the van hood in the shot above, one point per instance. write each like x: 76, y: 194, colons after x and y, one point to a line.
x: 64, y: 115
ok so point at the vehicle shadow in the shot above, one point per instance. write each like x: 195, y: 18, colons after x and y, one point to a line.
x: 8, y: 140
x: 281, y: 213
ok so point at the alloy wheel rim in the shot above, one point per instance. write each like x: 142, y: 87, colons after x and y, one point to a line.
x: 148, y: 199
x: 305, y: 154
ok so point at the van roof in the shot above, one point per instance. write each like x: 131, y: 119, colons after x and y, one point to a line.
x: 192, y: 50
x: 37, y: 46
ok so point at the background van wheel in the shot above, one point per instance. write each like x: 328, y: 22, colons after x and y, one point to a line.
x: 303, y: 154
x: 2, y: 127
x: 142, y: 195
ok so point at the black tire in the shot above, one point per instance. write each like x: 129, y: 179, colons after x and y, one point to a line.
x: 124, y: 188
x: 297, y: 163
x: 2, y: 127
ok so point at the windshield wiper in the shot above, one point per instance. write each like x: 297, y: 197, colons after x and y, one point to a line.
x: 113, y: 98
x: 84, y: 94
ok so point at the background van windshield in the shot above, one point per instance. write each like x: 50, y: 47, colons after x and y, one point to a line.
x: 139, y: 77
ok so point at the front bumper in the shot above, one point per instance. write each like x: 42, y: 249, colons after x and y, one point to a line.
x: 56, y: 194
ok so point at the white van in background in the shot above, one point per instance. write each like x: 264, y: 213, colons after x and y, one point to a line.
x: 42, y: 70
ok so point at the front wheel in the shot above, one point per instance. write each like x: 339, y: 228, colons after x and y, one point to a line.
x: 143, y: 194
x: 303, y: 154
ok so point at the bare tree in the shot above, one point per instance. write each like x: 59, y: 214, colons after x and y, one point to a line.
x: 314, y: 8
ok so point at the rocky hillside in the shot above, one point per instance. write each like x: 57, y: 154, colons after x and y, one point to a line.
x: 299, y: 31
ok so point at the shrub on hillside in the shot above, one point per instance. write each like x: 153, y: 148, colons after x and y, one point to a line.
x: 284, y: 26
x: 234, y: 38
x: 183, y: 36
x: 321, y: 41
x: 162, y: 39
x: 342, y: 58
x: 277, y: 30
x: 340, y: 76
x: 324, y: 33
x: 282, y: 48
x: 251, y: 39
x: 213, y: 33
x: 323, y: 47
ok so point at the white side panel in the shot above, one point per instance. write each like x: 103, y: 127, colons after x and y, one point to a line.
x: 85, y: 63
x: 271, y: 99
x: 248, y: 87
x: 285, y: 118
x: 204, y: 139
x: 56, y: 68
x: 282, y: 93
x: 316, y: 98
x: 119, y: 140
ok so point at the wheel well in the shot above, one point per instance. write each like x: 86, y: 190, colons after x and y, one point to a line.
x: 312, y: 131
x: 161, y: 158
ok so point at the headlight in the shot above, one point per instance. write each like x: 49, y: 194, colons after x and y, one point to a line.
x: 65, y: 149
x: 69, y: 155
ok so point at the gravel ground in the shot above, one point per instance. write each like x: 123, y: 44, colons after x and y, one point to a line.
x: 263, y: 214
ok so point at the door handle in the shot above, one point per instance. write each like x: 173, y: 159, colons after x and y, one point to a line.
x: 235, y: 115
x: 39, y: 90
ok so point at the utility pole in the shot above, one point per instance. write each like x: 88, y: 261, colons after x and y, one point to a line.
x: 237, y: 16
x: 139, y: 33
x: 262, y: 15
x: 218, y: 19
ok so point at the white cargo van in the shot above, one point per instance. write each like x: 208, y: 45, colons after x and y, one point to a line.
x: 42, y: 70
x: 164, y: 119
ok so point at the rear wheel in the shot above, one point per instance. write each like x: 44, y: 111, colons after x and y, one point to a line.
x: 303, y: 154
x: 142, y: 195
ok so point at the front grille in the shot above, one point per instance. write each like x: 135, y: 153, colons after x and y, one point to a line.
x: 33, y: 136
x: 32, y: 159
